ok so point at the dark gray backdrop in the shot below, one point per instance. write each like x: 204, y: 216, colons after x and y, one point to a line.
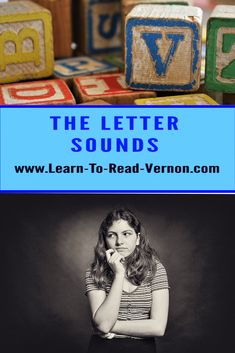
x: 47, y: 243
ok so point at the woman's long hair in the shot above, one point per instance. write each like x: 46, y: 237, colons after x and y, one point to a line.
x: 139, y: 264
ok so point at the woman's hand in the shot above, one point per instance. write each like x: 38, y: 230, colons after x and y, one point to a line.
x: 108, y: 335
x: 114, y: 260
x: 104, y: 307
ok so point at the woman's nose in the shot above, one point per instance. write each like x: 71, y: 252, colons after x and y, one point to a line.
x: 119, y: 240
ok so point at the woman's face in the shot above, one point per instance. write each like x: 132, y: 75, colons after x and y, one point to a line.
x: 122, y: 238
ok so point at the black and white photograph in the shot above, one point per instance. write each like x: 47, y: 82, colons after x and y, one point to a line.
x: 114, y: 273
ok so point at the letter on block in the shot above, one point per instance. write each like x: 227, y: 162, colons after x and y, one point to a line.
x: 100, y: 26
x: 81, y: 66
x: 128, y: 5
x: 220, y: 51
x: 36, y: 92
x: 186, y: 99
x: 26, y: 48
x: 111, y: 88
x: 163, y: 47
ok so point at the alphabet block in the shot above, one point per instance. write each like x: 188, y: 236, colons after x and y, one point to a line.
x: 100, y: 26
x: 61, y: 11
x: 163, y: 47
x: 186, y: 99
x: 111, y: 88
x: 128, y: 5
x: 96, y: 102
x: 26, y: 48
x: 220, y: 52
x: 67, y: 69
x: 36, y: 92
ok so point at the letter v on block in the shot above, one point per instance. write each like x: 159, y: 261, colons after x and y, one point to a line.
x: 152, y: 39
x: 163, y: 48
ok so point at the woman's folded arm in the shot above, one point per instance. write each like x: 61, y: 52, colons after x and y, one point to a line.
x: 155, y: 326
x: 105, y: 308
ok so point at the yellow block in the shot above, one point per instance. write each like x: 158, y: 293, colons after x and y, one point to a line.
x: 186, y: 99
x: 26, y: 42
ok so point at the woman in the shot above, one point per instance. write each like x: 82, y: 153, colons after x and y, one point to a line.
x: 127, y: 286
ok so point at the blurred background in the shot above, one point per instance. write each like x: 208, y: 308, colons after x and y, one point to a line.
x: 47, y: 243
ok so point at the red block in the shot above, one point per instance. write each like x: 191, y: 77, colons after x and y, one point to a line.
x: 36, y: 92
x: 112, y: 88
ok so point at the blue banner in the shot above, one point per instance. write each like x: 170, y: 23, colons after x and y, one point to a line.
x: 117, y: 148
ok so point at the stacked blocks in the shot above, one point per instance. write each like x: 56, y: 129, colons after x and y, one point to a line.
x: 220, y: 52
x: 26, y: 48
x: 100, y: 26
x: 111, y: 88
x: 36, y: 92
x: 163, y: 47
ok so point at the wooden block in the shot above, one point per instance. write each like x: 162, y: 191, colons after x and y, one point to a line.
x: 220, y: 51
x: 26, y: 48
x: 61, y: 11
x: 217, y: 96
x: 186, y: 99
x: 111, y: 88
x: 36, y: 92
x: 96, y: 102
x: 99, y: 26
x: 163, y: 47
x: 128, y: 5
x: 67, y: 69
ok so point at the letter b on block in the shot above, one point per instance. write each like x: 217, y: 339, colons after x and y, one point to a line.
x: 163, y: 46
x: 26, y: 49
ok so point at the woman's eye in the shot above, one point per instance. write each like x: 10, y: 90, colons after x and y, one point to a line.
x: 127, y: 234
x: 110, y: 235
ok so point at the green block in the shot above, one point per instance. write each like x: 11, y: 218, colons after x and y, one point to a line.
x: 220, y: 51
x: 115, y: 59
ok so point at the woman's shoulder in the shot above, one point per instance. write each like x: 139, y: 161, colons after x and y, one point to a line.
x: 88, y: 272
x: 160, y: 278
x: 160, y: 266
x: 88, y: 276
x: 157, y: 267
x: 92, y: 283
